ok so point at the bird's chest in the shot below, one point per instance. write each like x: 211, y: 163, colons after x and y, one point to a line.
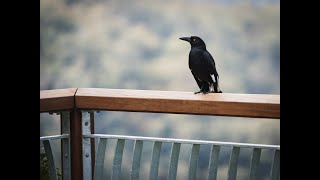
x: 197, y: 61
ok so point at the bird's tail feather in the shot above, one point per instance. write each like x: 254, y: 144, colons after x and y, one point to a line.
x: 218, y: 88
x: 215, y: 85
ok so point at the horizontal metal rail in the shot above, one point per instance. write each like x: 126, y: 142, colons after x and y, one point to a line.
x: 54, y: 137
x: 174, y: 157
x: 175, y: 151
x: 184, y: 141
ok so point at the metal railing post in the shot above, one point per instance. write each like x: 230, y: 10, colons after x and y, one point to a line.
x: 93, y: 147
x: 65, y: 146
x: 86, y: 146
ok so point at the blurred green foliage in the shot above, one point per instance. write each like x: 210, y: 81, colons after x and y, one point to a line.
x: 44, y: 169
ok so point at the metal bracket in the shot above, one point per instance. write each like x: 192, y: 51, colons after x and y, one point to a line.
x: 91, y: 111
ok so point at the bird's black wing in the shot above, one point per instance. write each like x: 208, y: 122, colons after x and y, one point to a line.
x: 213, y: 71
x: 211, y: 64
x: 197, y: 80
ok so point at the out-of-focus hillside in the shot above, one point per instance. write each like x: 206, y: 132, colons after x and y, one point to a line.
x: 135, y: 45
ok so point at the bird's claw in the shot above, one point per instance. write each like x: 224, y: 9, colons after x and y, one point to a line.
x: 215, y: 92
x: 203, y: 92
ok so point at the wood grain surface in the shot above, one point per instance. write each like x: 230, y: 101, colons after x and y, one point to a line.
x: 56, y: 100
x: 224, y: 104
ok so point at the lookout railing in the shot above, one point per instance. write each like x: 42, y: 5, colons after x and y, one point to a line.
x: 81, y: 159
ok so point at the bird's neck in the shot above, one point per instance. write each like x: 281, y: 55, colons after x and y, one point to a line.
x: 199, y: 47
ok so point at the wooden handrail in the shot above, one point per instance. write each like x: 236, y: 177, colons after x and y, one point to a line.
x: 222, y: 104
x: 57, y: 100
x: 74, y: 100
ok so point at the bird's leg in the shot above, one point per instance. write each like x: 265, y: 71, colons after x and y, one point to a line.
x: 204, y: 89
x: 205, y: 92
x: 201, y: 90
x: 215, y: 89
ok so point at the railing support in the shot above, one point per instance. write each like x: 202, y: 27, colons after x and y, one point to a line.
x: 93, y: 147
x: 174, y: 158
x: 255, y: 160
x: 213, y: 163
x: 76, y: 145
x: 275, y: 167
x: 65, y: 146
x: 86, y: 146
x: 155, y: 160
x: 233, y: 164
x: 99, y: 164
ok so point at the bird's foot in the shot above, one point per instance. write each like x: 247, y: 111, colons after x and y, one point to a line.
x: 203, y: 92
x: 215, y: 92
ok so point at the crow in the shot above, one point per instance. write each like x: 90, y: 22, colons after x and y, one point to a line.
x: 202, y: 66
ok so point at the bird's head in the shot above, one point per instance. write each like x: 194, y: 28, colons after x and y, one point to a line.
x: 195, y: 41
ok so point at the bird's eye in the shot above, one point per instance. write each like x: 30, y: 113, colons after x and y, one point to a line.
x: 194, y: 39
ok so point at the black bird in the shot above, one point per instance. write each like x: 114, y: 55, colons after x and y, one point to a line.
x: 202, y: 66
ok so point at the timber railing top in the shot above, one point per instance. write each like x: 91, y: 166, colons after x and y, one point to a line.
x: 220, y: 104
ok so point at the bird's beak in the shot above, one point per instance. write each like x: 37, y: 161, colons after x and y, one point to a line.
x: 186, y: 39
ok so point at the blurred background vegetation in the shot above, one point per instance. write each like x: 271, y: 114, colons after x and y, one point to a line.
x: 125, y: 44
